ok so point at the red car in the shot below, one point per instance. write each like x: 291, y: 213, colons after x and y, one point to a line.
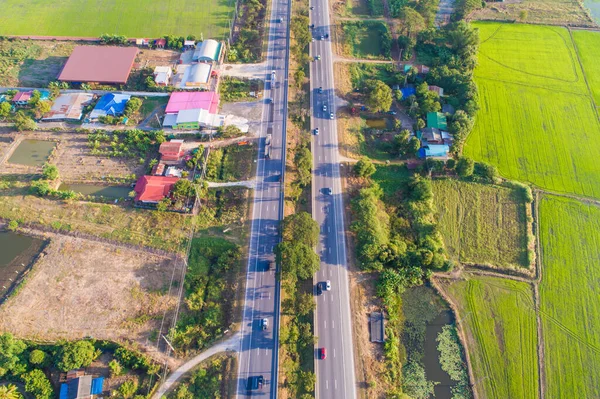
x: 322, y: 353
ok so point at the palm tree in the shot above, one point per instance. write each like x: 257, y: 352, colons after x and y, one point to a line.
x: 9, y: 392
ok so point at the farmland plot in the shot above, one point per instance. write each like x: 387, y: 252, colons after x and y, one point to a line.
x: 482, y: 223
x: 588, y: 47
x: 537, y: 121
x: 570, y: 237
x: 499, y: 320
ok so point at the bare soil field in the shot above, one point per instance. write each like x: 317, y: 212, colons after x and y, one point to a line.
x: 554, y: 12
x: 72, y: 157
x: 154, y: 58
x: 84, y: 288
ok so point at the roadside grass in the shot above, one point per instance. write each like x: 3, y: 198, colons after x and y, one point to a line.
x: 135, y: 18
x: 366, y: 39
x: 231, y: 163
x: 482, y: 223
x: 499, y: 321
x: 391, y: 178
x: 224, y: 209
x: 360, y: 72
x: 359, y: 8
x: 537, y: 122
x: 570, y: 237
x: 214, y: 378
x: 588, y: 43
x: 238, y: 89
x: 164, y: 230
x: 28, y: 63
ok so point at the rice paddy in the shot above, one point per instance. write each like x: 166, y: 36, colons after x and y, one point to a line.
x: 481, y: 223
x: 537, y: 122
x: 498, y: 316
x: 569, y: 292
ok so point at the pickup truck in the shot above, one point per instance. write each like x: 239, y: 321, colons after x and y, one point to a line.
x: 255, y: 382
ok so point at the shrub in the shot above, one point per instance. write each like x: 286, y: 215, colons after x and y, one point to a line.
x: 13, y: 225
x: 73, y: 355
x: 38, y: 357
x: 50, y: 172
x: 38, y: 384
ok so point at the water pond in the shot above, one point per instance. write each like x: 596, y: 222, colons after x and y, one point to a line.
x: 16, y: 253
x: 98, y: 190
x: 32, y: 152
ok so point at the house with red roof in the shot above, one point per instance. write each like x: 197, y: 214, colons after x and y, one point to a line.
x: 152, y: 189
x: 171, y: 151
x: 182, y: 100
x: 99, y: 64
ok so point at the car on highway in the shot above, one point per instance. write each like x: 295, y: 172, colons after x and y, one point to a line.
x: 273, y: 74
x: 255, y: 382
x: 311, y: 8
x: 331, y: 115
x: 316, y: 131
x: 327, y: 285
x: 320, y: 90
x: 326, y: 35
x: 278, y: 20
x: 322, y: 37
x: 312, y: 26
x: 271, y: 266
x: 319, y: 289
x: 268, y: 101
x: 327, y: 191
x: 318, y: 57
x: 322, y: 353
x: 324, y: 107
x: 264, y: 324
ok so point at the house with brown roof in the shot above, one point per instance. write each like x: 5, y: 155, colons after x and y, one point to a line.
x: 99, y: 64
x: 171, y: 151
x: 151, y: 189
x: 437, y: 89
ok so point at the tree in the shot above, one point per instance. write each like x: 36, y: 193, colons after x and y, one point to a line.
x: 303, y: 161
x: 420, y: 189
x: 183, y: 188
x: 13, y: 225
x: 379, y: 95
x: 400, y: 143
x: 10, y: 355
x: 305, y: 304
x: 413, y: 146
x: 74, y: 355
x: 38, y: 357
x: 300, y: 228
x: 10, y: 391
x: 523, y: 15
x: 38, y: 384
x: 50, y: 172
x: 489, y: 172
x: 412, y: 22
x: 133, y: 106
x: 115, y: 368
x: 5, y: 108
x: 35, y: 98
x: 229, y: 131
x: 364, y: 167
x: 128, y: 389
x: 163, y: 205
x: 297, y: 260
x: 465, y: 167
x: 23, y: 122
x: 42, y: 108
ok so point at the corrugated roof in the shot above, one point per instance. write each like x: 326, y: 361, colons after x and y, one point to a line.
x: 110, y: 104
x: 102, y: 64
x: 377, y: 327
x: 208, y: 50
x: 68, y: 106
x: 153, y: 188
x: 182, y: 100
x: 199, y: 74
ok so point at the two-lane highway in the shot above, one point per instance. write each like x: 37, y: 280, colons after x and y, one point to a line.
x: 335, y: 373
x: 259, y: 345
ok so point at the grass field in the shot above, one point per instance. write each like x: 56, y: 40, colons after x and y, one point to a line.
x: 500, y: 324
x: 370, y: 39
x: 482, y: 223
x: 537, y: 121
x: 135, y: 18
x: 570, y: 238
x: 588, y: 45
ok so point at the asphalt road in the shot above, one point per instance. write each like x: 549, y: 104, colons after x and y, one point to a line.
x: 335, y: 374
x: 258, y: 354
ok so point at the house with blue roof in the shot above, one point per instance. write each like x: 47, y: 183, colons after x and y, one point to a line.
x: 84, y: 387
x: 434, y: 151
x: 110, y: 104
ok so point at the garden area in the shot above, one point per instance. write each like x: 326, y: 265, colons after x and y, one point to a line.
x: 231, y: 163
x: 366, y: 40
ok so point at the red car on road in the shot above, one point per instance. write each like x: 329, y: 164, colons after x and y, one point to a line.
x: 322, y: 353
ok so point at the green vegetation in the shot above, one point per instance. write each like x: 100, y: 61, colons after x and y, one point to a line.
x: 482, y: 223
x: 360, y: 73
x: 132, y: 19
x: 210, y: 290
x: 569, y: 233
x: 298, y: 262
x: 238, y: 89
x: 31, y: 364
x: 231, y: 163
x: 49, y: 172
x: 587, y: 44
x: 499, y: 318
x: 452, y: 361
x: 223, y: 207
x: 379, y: 95
x: 368, y: 39
x: 133, y: 143
x: 535, y: 104
x: 210, y: 380
x: 247, y: 45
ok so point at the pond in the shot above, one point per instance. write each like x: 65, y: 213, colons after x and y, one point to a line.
x: 431, y: 360
x: 32, y: 152
x: 97, y: 190
x: 16, y: 253
x: 594, y: 7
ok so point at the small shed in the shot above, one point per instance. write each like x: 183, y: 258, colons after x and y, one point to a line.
x: 407, y: 91
x: 431, y: 135
x: 437, y: 120
x: 377, y: 328
x: 434, y: 151
x: 437, y: 89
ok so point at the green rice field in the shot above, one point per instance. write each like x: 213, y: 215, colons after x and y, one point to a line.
x: 569, y: 297
x: 537, y: 121
x: 588, y: 47
x: 132, y: 18
x: 500, y: 325
x: 481, y: 223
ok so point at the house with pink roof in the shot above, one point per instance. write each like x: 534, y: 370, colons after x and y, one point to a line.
x: 182, y: 100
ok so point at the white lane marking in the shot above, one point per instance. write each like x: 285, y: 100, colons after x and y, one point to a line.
x: 335, y: 383
x: 325, y: 324
x: 329, y: 229
x: 333, y: 352
x: 329, y: 250
x: 266, y: 352
x: 326, y: 384
x: 267, y: 208
x: 332, y: 322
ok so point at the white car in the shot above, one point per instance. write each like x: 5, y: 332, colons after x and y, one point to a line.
x: 328, y: 285
x: 324, y: 108
x: 331, y: 115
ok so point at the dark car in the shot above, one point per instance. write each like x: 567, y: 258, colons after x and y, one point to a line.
x: 311, y: 8
x: 316, y: 131
x: 319, y: 289
x: 255, y: 382
x: 320, y: 90
x: 327, y: 191
x: 322, y: 353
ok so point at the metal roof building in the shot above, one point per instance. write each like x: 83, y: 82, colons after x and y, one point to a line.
x: 207, y: 51
x: 99, y: 64
x: 68, y: 106
x: 181, y: 100
x: 198, y: 76
x: 110, y: 104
